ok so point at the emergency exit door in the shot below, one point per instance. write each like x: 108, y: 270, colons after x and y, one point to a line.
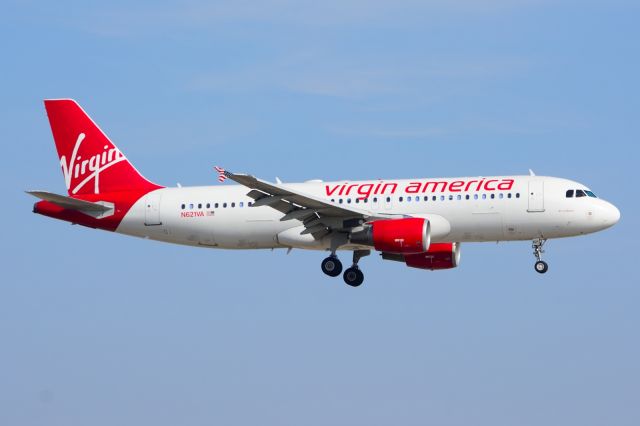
x: 152, y: 209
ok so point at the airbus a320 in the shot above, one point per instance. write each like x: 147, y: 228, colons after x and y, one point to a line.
x: 420, y: 222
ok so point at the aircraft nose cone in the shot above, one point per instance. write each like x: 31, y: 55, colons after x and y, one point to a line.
x: 612, y: 215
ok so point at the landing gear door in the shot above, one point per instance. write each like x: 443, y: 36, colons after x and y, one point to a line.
x: 152, y: 209
x: 536, y: 196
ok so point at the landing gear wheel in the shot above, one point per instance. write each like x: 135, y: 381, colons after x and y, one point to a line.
x: 331, y: 266
x: 353, y: 276
x: 541, y: 266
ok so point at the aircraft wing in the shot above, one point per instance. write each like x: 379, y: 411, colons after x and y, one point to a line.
x: 318, y: 216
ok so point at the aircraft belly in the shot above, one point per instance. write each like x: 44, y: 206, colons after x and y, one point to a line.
x: 476, y: 226
x: 249, y: 230
x: 247, y: 234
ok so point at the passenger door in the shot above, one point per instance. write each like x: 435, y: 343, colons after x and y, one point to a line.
x: 536, y: 196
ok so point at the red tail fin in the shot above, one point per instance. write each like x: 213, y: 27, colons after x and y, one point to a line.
x: 91, y: 163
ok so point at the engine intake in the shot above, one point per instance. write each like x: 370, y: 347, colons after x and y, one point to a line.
x: 404, y: 236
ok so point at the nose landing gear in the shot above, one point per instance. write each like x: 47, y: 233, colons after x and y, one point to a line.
x: 540, y: 266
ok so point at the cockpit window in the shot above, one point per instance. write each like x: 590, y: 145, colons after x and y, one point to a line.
x: 580, y: 193
x: 570, y: 193
x: 591, y: 194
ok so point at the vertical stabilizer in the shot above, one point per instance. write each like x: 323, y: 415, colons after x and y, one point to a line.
x: 91, y: 163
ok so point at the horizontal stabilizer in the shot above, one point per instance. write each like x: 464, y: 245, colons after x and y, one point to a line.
x: 98, y: 209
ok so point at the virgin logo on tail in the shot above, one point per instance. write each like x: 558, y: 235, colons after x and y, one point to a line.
x: 88, y: 169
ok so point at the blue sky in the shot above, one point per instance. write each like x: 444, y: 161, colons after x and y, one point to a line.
x: 101, y: 329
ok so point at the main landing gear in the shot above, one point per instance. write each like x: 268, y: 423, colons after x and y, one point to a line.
x: 353, y: 276
x: 540, y: 266
x: 332, y: 266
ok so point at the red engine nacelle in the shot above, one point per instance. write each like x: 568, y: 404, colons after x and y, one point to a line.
x: 400, y: 236
x: 439, y: 256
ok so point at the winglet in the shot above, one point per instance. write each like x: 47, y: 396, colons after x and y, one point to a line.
x: 222, y: 174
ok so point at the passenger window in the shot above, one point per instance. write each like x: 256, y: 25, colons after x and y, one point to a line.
x: 375, y: 199
x: 517, y: 195
x: 459, y: 197
x: 475, y: 196
x: 442, y: 198
x: 333, y: 200
x: 433, y: 198
x: 348, y: 200
x: 388, y: 199
x: 224, y: 205
x: 484, y: 196
x: 509, y: 195
x: 190, y: 206
x: 233, y: 204
x: 215, y: 205
x: 182, y: 207
x: 340, y: 201
x: 200, y: 205
x: 426, y: 198
x: 570, y: 193
x: 466, y: 197
x: 249, y: 203
x: 241, y: 203
x: 357, y: 200
x: 208, y: 205
x: 580, y: 193
x: 493, y: 196
x: 501, y: 196
x: 366, y: 200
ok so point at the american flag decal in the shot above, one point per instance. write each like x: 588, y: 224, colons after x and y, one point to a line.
x: 221, y: 176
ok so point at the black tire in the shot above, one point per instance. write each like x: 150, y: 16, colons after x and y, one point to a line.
x: 353, y: 277
x: 541, y: 267
x: 331, y: 266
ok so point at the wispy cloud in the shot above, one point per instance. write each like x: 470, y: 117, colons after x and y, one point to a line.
x: 161, y: 17
x: 331, y: 12
x: 334, y: 75
x: 301, y: 75
x: 389, y: 133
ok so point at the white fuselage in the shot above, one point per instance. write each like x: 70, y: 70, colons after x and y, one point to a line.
x: 460, y: 210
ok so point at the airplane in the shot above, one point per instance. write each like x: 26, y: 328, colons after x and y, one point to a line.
x: 420, y: 222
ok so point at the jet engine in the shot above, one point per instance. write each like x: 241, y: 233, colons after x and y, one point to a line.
x: 400, y: 236
x: 439, y: 256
